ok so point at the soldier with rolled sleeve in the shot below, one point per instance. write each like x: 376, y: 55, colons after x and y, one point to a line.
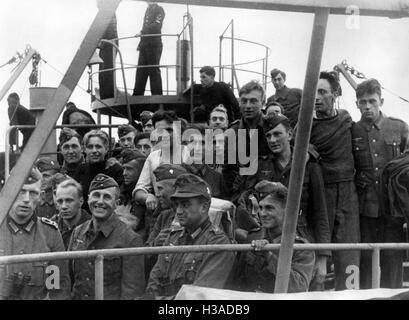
x: 23, y: 232
x: 257, y: 271
x: 377, y: 139
x: 123, y: 275
x: 208, y: 269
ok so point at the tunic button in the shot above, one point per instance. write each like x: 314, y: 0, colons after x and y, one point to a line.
x: 375, y: 154
x: 22, y: 251
x: 377, y: 182
x: 356, y: 148
x: 376, y: 169
x: 86, y: 296
x: 87, y: 279
x: 20, y: 232
x: 394, y: 143
x: 374, y: 140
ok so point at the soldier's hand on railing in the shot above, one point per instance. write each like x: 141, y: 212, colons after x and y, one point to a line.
x: 319, y: 274
x: 259, y: 244
x: 151, y: 202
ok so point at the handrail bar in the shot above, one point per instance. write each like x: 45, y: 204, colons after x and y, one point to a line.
x: 147, y: 36
x: 251, y: 42
x: 136, y: 66
x: 84, y: 254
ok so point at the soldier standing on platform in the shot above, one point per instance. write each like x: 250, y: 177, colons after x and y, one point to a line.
x: 150, y: 51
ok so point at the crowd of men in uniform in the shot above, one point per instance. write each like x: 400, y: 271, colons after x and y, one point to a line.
x: 354, y: 190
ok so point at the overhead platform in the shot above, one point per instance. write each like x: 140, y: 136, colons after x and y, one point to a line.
x: 382, y: 8
x: 117, y: 107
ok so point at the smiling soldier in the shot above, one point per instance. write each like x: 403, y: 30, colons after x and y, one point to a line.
x: 123, y: 276
x: 96, y: 144
x: 257, y: 271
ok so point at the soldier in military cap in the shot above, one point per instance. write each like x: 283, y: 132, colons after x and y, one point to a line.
x: 128, y: 209
x: 48, y: 167
x: 123, y: 276
x: 71, y: 150
x: 164, y: 215
x: 146, y: 118
x: 192, y: 202
x: 126, y: 135
x: 377, y: 139
x: 23, y: 233
x: 256, y: 271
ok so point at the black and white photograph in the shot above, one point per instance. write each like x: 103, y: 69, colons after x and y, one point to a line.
x: 204, y: 154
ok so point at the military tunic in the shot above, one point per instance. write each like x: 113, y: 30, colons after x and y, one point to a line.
x: 65, y: 230
x: 207, y: 269
x: 46, y: 207
x: 374, y: 145
x: 38, y: 235
x: 123, y: 276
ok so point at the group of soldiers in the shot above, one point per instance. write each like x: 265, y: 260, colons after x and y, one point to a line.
x: 154, y: 189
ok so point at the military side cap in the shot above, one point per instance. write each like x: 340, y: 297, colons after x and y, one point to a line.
x: 189, y: 186
x: 124, y: 129
x: 57, y: 178
x: 265, y: 188
x: 273, y: 120
x: 67, y: 134
x: 128, y: 155
x: 102, y: 181
x: 168, y: 171
x: 34, y: 176
x: 44, y: 164
x: 146, y: 116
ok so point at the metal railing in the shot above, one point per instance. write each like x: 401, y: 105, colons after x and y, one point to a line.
x: 233, y: 64
x: 100, y: 254
x: 73, y: 126
x: 188, y: 24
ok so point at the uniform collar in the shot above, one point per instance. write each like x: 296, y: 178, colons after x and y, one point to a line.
x: 196, y: 233
x: 260, y: 122
x: 47, y: 198
x: 85, y: 216
x: 105, y: 228
x: 27, y: 227
x: 377, y: 124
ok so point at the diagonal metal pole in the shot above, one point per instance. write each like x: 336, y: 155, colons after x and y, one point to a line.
x: 56, y: 106
x: 300, y: 152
